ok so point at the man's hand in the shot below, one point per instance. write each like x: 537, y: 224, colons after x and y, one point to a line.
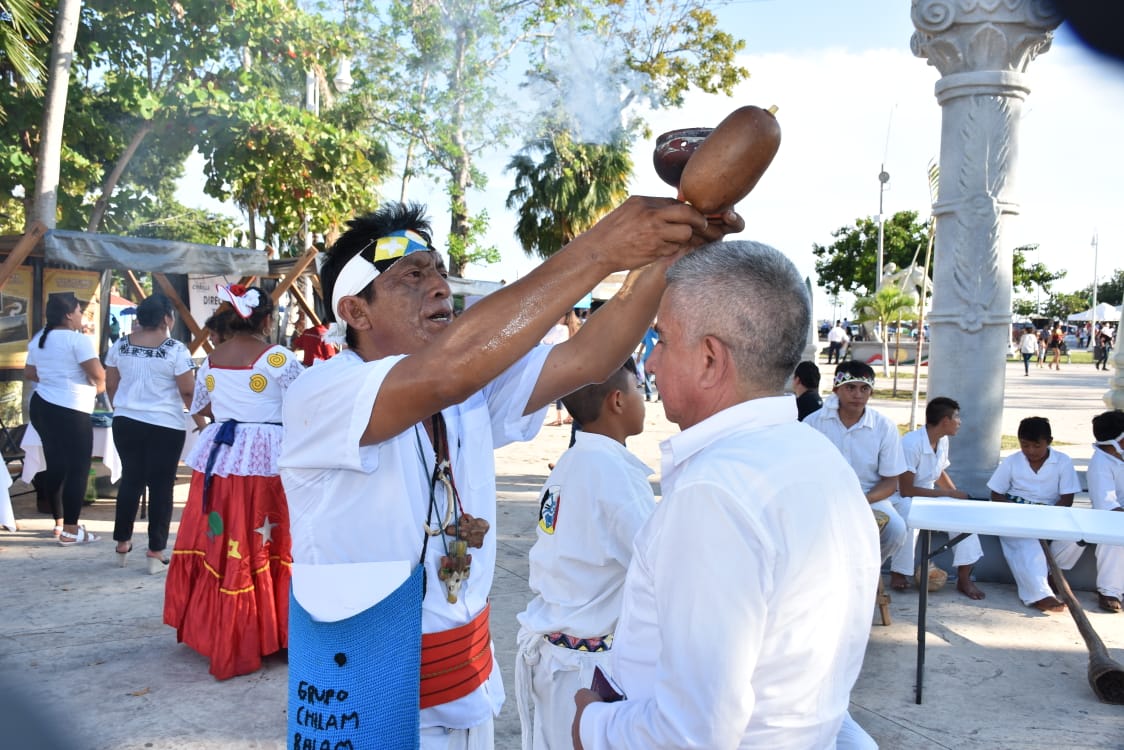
x: 644, y: 229
x: 719, y: 226
x: 582, y: 698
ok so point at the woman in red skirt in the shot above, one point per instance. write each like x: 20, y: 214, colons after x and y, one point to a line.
x: 227, y: 593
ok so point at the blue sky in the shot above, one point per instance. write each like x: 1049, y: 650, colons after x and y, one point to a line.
x: 852, y: 97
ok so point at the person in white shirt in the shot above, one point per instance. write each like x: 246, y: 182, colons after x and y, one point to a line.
x: 869, y: 441
x: 1028, y: 347
x: 836, y: 339
x: 388, y: 466
x: 748, y: 599
x: 1105, y: 476
x: 1038, y: 475
x: 926, y: 454
x: 63, y: 364
x: 592, y: 505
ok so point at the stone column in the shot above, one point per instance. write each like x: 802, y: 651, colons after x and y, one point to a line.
x: 982, y: 49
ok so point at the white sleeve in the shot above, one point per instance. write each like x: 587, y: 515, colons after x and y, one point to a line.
x: 183, y: 361
x: 83, y: 348
x: 704, y: 552
x: 507, y: 398
x: 326, y: 411
x: 891, y: 461
x: 1102, y: 486
x: 1068, y: 483
x: 1001, y: 478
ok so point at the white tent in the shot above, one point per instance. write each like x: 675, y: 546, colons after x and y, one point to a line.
x: 1105, y: 311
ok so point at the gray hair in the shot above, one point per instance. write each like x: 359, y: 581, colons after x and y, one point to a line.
x: 752, y: 298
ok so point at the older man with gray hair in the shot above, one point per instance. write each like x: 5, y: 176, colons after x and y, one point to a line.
x: 748, y: 602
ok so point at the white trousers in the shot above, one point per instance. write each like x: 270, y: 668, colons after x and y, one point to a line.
x: 481, y: 737
x: 546, y: 678
x: 1110, y: 566
x: 1028, y: 564
x: 892, y: 536
x: 967, y: 552
x: 853, y: 737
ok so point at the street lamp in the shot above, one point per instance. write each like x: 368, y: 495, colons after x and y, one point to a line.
x: 343, y: 79
x: 883, y: 178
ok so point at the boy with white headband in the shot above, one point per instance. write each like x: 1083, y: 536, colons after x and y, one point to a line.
x: 1106, y: 492
x: 389, y: 469
x: 869, y: 441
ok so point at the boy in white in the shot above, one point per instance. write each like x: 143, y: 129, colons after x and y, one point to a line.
x: 1038, y: 475
x: 869, y: 441
x: 1106, y: 491
x: 593, y: 503
x: 926, y: 454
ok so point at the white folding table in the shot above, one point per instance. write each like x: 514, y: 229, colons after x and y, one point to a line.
x: 1002, y: 519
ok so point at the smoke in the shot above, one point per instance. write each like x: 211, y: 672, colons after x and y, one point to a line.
x: 586, y: 87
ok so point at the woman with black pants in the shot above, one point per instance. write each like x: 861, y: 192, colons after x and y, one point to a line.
x: 149, y: 380
x: 62, y: 361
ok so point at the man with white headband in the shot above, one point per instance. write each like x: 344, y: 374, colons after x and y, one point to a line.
x: 869, y: 441
x: 388, y: 462
x: 1105, y: 476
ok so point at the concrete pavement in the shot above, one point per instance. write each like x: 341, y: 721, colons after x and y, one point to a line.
x: 83, y: 650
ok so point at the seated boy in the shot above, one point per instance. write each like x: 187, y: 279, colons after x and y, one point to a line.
x: 1038, y: 475
x: 926, y: 455
x: 1106, y: 492
x: 592, y: 505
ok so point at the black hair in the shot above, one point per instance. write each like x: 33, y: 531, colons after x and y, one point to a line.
x: 856, y: 368
x: 1035, y: 428
x: 809, y: 374
x: 219, y: 323
x: 585, y: 403
x: 938, y: 408
x: 1109, y: 425
x: 152, y: 310
x: 258, y: 315
x: 58, y: 307
x: 362, y: 232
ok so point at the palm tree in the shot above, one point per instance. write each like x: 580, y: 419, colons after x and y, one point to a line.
x: 23, y: 23
x: 567, y: 191
x: 889, y: 304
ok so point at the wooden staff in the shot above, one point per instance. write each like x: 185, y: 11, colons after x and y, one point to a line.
x: 1106, y: 676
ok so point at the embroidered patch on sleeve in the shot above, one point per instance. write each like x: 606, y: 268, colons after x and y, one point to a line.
x: 548, y: 508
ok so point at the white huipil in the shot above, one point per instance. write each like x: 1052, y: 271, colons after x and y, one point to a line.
x: 350, y: 503
x: 592, y: 505
x: 715, y: 647
x: 927, y: 466
x: 1056, y: 477
x: 1105, y: 476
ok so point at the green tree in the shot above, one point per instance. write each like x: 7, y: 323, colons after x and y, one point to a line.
x: 850, y: 263
x: 1110, y: 291
x: 24, y: 25
x: 566, y: 191
x: 887, y: 306
x: 1029, y: 277
x: 444, y: 68
x: 1061, y: 305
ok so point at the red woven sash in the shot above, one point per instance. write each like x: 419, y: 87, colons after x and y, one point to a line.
x: 455, y: 662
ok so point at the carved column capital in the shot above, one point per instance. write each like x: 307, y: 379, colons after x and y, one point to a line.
x: 959, y: 36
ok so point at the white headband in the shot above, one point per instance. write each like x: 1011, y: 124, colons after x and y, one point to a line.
x: 1114, y: 442
x: 358, y: 272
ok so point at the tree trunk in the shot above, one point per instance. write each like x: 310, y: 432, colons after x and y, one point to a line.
x: 462, y: 165
x: 115, y: 176
x: 54, y: 113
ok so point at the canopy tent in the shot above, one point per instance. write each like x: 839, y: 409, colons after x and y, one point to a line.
x: 1104, y: 311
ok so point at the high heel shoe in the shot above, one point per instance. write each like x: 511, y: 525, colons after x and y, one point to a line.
x: 123, y: 557
x: 157, y: 564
